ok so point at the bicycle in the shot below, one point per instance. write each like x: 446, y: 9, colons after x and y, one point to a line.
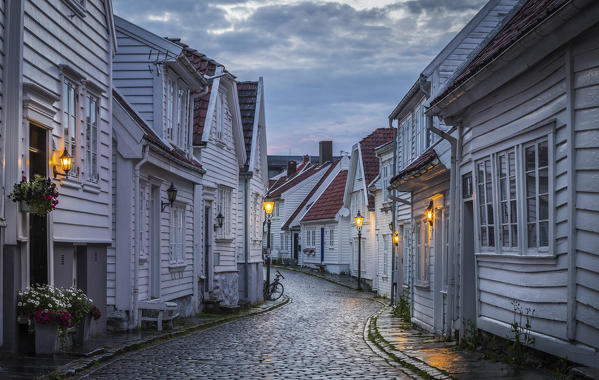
x: 276, y: 289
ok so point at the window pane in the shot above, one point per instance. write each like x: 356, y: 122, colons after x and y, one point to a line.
x: 491, y: 237
x: 512, y: 158
x: 504, y: 212
x: 489, y: 192
x: 531, y: 208
x: 543, y: 154
x: 502, y: 166
x: 490, y: 213
x: 483, y: 216
x: 530, y: 158
x: 543, y: 234
x: 505, y: 236
x: 531, y: 189
x: 480, y: 175
x: 488, y: 169
x: 512, y: 188
x: 514, y: 235
x: 483, y: 237
x: 543, y: 181
x: 513, y: 213
x: 543, y: 207
x: 481, y: 194
x: 532, y: 235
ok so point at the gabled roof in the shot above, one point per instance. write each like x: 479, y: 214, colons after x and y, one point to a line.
x: 290, y: 182
x: 370, y: 162
x: 309, y: 196
x: 528, y: 17
x: 425, y: 159
x: 248, y: 98
x: 331, y: 200
x: 152, y: 137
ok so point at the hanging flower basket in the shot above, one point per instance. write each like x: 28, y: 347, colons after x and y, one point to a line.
x: 37, y: 196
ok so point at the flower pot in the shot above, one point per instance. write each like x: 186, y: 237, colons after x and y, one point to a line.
x: 46, y: 341
x: 82, y: 333
x: 24, y: 206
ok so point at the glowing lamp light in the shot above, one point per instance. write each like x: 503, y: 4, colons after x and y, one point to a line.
x: 430, y: 214
x: 395, y: 238
x: 268, y: 207
x: 359, y: 220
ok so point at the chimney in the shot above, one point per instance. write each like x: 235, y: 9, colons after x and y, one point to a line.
x: 291, y: 167
x: 306, y: 158
x: 325, y: 151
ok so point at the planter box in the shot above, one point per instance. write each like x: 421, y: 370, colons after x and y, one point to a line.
x: 82, y: 332
x: 46, y: 338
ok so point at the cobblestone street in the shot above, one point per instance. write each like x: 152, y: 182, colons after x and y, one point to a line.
x: 318, y: 335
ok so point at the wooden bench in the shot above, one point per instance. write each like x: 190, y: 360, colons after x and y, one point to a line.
x: 167, y: 312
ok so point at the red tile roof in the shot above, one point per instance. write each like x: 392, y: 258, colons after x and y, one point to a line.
x: 248, y: 95
x: 307, y: 198
x: 369, y: 159
x: 424, y: 159
x: 152, y: 137
x: 295, y: 179
x: 529, y: 16
x: 329, y: 203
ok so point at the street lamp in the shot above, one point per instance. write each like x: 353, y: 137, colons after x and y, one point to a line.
x: 268, y: 207
x: 359, y: 219
x: 394, y: 281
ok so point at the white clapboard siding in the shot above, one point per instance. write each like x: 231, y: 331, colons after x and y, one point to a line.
x: 82, y: 43
x: 2, y: 59
x: 585, y: 67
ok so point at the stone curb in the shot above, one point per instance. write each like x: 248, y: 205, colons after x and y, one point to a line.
x: 409, y: 364
x: 78, y: 366
x: 318, y: 276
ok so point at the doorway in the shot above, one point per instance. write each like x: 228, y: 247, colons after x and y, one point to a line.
x: 439, y: 245
x: 38, y: 226
x: 296, y: 246
x: 154, y: 224
x: 322, y: 245
x: 468, y: 296
x: 207, y: 238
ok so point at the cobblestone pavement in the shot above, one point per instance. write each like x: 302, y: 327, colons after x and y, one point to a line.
x: 319, y: 335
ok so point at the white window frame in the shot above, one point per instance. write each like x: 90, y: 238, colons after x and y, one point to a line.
x: 177, y: 234
x: 421, y: 251
x: 405, y: 240
x: 177, y: 116
x: 219, y: 116
x: 386, y: 252
x: 92, y: 138
x: 331, y: 238
x: 518, y: 142
x: 223, y: 206
x: 70, y: 113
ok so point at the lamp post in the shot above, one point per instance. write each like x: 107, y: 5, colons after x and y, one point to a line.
x: 359, y: 219
x: 268, y: 207
x: 394, y: 278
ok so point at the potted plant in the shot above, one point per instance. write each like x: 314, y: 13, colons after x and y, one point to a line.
x: 37, y: 196
x: 46, y: 306
x: 82, y: 310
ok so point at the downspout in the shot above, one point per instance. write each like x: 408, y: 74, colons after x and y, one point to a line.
x: 137, y: 239
x: 246, y: 236
x: 395, y: 279
x: 452, y: 221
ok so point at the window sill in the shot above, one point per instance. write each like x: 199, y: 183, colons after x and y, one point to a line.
x: 422, y: 284
x: 223, y: 240
x: 545, y: 258
x: 91, y: 188
x: 176, y: 267
x: 71, y: 183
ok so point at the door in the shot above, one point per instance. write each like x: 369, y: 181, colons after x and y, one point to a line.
x: 468, y: 296
x: 322, y: 245
x: 438, y: 271
x: 154, y: 224
x: 38, y: 226
x: 207, y: 252
x: 295, y: 246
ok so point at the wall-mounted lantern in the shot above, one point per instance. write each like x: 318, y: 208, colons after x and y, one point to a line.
x: 220, y: 219
x: 171, y: 193
x: 430, y: 214
x: 396, y: 238
x: 391, y: 226
x: 65, y: 161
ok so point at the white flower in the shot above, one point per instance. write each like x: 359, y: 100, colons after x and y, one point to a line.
x: 19, y: 304
x: 49, y: 305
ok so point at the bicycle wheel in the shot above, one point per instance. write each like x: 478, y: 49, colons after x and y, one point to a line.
x: 276, y: 291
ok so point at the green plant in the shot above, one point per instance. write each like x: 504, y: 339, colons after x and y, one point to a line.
x: 79, y: 303
x: 563, y: 369
x: 402, y: 310
x: 39, y: 194
x: 471, y: 338
x: 521, y: 331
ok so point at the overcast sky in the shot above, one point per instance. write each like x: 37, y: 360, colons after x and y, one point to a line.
x: 333, y: 70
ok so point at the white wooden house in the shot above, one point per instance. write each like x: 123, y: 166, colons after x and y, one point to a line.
x: 289, y: 193
x: 157, y: 245
x: 422, y: 179
x: 526, y: 110
x: 383, y: 215
x: 218, y: 140
x: 56, y: 96
x: 253, y: 183
x: 363, y: 171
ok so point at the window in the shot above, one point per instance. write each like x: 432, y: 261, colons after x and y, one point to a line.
x: 170, y: 105
x: 91, y: 138
x: 69, y: 107
x: 177, y: 238
x: 307, y: 238
x: 331, y: 237
x: 386, y: 253
x: 485, y: 202
x: 526, y: 167
x: 182, y: 116
x: 219, y: 116
x: 313, y: 238
x: 405, y: 265
x: 224, y: 208
x: 276, y: 208
x: 177, y: 113
x: 421, y: 232
x: 281, y: 243
x: 536, y: 164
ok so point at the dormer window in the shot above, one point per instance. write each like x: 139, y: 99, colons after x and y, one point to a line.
x: 177, y: 113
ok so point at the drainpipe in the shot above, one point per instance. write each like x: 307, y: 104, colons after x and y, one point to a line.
x: 246, y: 236
x: 137, y: 239
x: 452, y: 220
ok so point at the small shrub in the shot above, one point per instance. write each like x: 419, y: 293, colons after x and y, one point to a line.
x: 521, y: 330
x: 402, y: 310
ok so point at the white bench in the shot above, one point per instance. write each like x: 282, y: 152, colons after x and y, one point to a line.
x: 167, y: 311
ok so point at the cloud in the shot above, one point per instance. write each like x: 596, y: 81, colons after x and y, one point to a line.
x: 332, y: 69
